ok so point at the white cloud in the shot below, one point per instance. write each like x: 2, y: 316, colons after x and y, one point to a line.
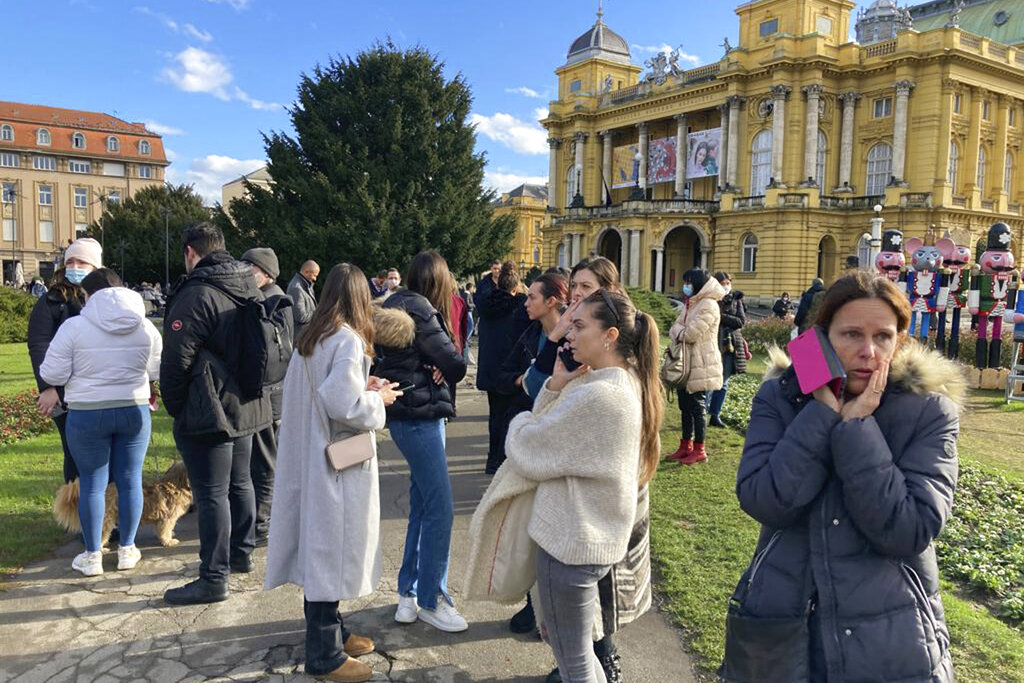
x: 540, y: 113
x: 198, y: 34
x: 667, y: 49
x: 237, y: 5
x: 200, y: 71
x: 187, y: 29
x: 521, y: 136
x: 500, y: 181
x: 524, y: 91
x: 207, y: 174
x: 161, y: 129
x: 254, y: 103
x: 171, y: 154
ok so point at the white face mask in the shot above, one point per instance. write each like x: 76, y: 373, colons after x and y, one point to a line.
x: 727, y: 288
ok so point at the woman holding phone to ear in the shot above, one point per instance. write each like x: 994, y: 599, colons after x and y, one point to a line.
x: 850, y: 492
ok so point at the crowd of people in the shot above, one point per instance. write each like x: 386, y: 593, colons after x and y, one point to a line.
x: 850, y: 486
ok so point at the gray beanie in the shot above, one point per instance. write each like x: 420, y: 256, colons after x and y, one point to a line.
x: 265, y: 259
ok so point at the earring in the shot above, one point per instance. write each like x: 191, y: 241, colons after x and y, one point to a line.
x: 606, y: 346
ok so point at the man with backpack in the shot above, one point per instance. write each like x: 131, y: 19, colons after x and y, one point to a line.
x: 214, y: 392
x: 265, y: 269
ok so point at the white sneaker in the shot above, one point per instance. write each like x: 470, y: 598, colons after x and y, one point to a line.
x: 90, y: 564
x: 127, y: 556
x: 407, y: 610
x: 445, y: 617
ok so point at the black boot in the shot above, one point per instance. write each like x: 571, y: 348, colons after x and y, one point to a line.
x: 715, y: 421
x: 953, y: 350
x: 612, y: 668
x: 981, y: 354
x: 242, y: 564
x: 995, y: 350
x: 198, y: 592
x: 524, y: 620
x: 554, y: 676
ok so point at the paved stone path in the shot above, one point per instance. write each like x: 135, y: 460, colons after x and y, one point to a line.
x: 56, y: 625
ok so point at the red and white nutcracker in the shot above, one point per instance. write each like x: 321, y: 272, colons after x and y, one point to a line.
x: 890, y: 261
x: 993, y: 291
x: 957, y: 262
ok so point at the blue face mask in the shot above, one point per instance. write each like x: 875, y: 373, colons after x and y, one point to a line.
x: 75, y: 275
x: 687, y: 289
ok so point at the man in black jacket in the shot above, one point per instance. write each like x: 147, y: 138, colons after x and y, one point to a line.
x: 213, y: 423
x: 807, y: 311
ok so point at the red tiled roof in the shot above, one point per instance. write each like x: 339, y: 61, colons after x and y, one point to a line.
x: 26, y: 119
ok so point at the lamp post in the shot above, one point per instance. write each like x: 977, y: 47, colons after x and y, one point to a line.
x: 638, y: 193
x: 876, y: 232
x: 577, y: 200
x: 167, y: 263
x: 122, y: 244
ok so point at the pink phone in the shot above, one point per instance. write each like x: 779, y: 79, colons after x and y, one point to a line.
x: 816, y: 363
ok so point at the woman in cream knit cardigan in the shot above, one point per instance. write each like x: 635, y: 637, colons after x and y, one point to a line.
x: 591, y: 442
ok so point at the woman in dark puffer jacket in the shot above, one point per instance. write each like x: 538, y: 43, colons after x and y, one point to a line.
x: 850, y: 493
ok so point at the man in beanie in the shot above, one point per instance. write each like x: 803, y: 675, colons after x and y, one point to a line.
x: 265, y: 269
x: 807, y: 311
x: 300, y: 289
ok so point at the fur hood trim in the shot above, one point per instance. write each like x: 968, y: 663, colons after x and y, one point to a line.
x: 915, y: 368
x: 393, y: 327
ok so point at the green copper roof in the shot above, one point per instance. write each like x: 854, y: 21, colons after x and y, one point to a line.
x: 980, y: 19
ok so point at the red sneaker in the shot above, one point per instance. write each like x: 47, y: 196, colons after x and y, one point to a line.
x: 698, y: 454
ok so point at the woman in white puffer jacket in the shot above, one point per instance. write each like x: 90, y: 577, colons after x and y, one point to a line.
x: 106, y: 358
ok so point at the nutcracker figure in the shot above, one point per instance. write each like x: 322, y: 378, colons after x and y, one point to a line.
x: 957, y: 263
x: 890, y: 261
x: 1016, y: 317
x: 993, y: 291
x: 927, y: 284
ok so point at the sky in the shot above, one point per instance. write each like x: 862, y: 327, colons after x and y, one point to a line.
x: 212, y: 76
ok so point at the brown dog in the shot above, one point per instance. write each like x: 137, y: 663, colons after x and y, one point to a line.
x: 164, y: 502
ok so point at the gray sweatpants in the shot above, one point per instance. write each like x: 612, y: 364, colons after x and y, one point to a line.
x: 569, y: 600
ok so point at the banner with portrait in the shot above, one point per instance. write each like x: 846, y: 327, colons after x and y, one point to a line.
x: 703, y: 152
x: 625, y: 168
x: 661, y: 161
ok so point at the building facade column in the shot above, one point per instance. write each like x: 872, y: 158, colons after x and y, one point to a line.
x: 811, y: 179
x: 659, y: 268
x: 735, y: 104
x: 580, y: 167
x: 849, y: 100
x: 566, y: 251
x: 899, y: 132
x: 681, y: 153
x: 642, y: 171
x: 553, y: 146
x: 780, y: 93
x: 634, y: 258
x: 606, y: 167
x: 995, y: 183
x: 577, y: 243
x: 969, y: 155
x: 723, y: 161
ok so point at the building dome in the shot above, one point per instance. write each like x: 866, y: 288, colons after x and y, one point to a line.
x: 599, y: 41
x: 881, y: 21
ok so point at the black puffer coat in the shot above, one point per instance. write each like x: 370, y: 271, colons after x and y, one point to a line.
x: 502, y: 319
x: 406, y: 358
x: 730, y: 334
x: 49, y: 313
x: 849, y: 511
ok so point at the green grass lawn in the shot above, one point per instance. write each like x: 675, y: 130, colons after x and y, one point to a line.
x: 15, y: 369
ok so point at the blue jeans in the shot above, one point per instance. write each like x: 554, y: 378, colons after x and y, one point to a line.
x: 716, y: 399
x: 109, y: 444
x: 424, y: 571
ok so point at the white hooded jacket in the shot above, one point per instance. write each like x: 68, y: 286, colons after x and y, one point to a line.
x: 107, y: 356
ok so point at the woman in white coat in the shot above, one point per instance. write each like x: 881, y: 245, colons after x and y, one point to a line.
x: 325, y: 532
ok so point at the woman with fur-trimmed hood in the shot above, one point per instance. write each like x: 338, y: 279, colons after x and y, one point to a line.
x: 850, y: 492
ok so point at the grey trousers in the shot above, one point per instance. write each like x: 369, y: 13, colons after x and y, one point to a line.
x: 569, y: 599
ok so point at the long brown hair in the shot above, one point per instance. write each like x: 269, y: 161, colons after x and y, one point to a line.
x: 345, y: 301
x: 861, y: 284
x: 429, y: 276
x: 603, y: 269
x: 637, y: 343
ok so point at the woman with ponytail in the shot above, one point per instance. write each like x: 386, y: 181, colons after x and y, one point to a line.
x: 591, y: 443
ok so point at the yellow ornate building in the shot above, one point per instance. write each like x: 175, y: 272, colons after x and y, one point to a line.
x: 58, y: 169
x: 528, y: 203
x: 789, y: 141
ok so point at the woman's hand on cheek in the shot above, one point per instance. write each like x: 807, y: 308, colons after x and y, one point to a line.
x: 869, y: 399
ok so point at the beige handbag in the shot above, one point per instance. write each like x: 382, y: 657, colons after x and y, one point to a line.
x: 347, y: 452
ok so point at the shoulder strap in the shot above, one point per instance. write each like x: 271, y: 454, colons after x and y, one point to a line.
x: 316, y: 403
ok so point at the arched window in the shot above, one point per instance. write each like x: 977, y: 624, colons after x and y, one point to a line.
x: 570, y: 185
x: 113, y: 144
x: 143, y: 146
x: 42, y: 137
x: 1008, y: 174
x: 561, y: 255
x: 864, y: 253
x: 879, y: 168
x: 982, y: 168
x: 7, y: 133
x: 749, y: 254
x: 954, y: 163
x: 819, y: 171
x: 78, y: 141
x: 761, y: 162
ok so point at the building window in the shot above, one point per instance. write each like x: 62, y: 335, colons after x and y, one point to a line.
x: 982, y: 168
x: 561, y: 255
x: 44, y: 163
x: 1008, y: 174
x: 954, y: 163
x: 883, y: 107
x: 8, y: 192
x: 864, y: 254
x: 144, y: 147
x: 1013, y: 116
x: 81, y: 230
x: 10, y: 230
x: 113, y: 197
x: 879, y: 168
x: 749, y: 254
x: 78, y: 141
x: 819, y: 174
x: 570, y: 185
x: 986, y: 110
x: 576, y: 86
x: 769, y: 27
x: 46, y: 195
x: 79, y: 166
x: 42, y: 137
x: 9, y: 159
x: 145, y: 171
x: 7, y: 133
x: 761, y: 162
x: 536, y: 255
x: 958, y: 102
x: 113, y: 144
x: 46, y: 231
x: 81, y: 198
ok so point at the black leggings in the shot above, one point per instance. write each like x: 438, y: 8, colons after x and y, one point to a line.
x: 70, y: 468
x: 691, y: 409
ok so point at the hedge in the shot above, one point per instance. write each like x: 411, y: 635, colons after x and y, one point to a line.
x: 657, y: 305
x: 15, y: 307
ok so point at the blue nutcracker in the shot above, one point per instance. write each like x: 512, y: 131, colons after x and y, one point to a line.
x: 1016, y: 317
x: 927, y: 284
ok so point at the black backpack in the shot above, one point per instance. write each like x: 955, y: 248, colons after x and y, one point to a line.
x: 265, y: 342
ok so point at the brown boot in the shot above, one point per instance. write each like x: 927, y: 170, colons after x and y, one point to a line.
x: 352, y: 671
x: 685, y: 447
x: 698, y: 454
x: 357, y: 646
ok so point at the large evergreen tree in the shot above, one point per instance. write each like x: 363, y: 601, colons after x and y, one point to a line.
x: 382, y: 165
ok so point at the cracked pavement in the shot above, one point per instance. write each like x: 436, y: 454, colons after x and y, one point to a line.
x: 57, y: 625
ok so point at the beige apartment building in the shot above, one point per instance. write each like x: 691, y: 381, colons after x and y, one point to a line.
x: 236, y: 188
x: 59, y: 169
x: 529, y: 205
